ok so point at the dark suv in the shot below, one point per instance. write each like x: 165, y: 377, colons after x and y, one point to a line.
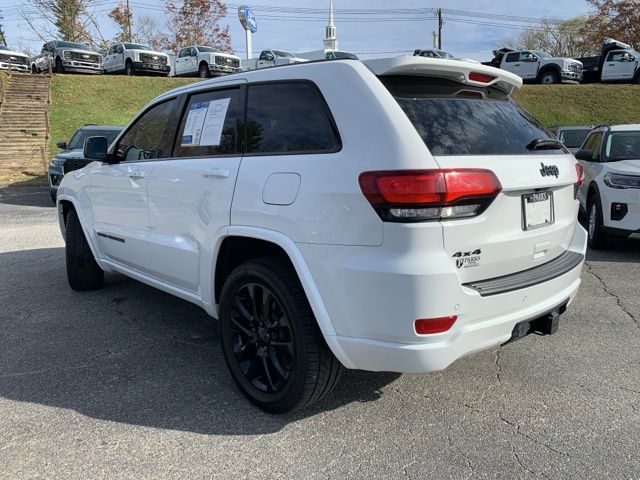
x: 71, y: 157
x: 572, y: 136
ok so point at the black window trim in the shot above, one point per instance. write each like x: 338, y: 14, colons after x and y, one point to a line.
x: 337, y: 148
x: 180, y: 110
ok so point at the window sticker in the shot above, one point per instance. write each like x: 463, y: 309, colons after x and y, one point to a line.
x: 204, y: 124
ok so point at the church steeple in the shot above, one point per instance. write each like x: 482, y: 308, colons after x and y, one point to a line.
x: 330, y: 41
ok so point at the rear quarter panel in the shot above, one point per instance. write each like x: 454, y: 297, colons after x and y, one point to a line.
x: 330, y: 207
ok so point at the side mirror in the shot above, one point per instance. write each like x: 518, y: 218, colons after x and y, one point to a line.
x: 584, y: 154
x: 95, y: 148
x: 532, y: 58
x: 61, y: 145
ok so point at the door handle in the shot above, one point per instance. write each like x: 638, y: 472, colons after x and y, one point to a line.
x: 137, y: 174
x: 216, y: 173
x: 612, y: 64
x: 517, y: 65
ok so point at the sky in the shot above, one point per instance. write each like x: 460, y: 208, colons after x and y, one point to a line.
x: 398, y: 33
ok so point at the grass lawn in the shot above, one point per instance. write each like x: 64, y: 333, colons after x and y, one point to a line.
x: 81, y: 99
x: 592, y: 104
x: 102, y: 99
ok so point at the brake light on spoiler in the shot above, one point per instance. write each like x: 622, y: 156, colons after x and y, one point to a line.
x: 427, y: 195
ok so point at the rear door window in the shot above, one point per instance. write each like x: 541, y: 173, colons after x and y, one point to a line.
x: 456, y: 119
x: 213, y: 124
x: 289, y: 117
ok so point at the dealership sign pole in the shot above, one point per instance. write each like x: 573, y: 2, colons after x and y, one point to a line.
x: 250, y: 25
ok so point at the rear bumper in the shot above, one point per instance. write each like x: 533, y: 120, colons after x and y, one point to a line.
x: 373, y: 298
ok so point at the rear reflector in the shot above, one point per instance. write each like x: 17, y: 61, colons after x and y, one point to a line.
x: 420, y: 195
x: 427, y: 326
x: 481, y: 77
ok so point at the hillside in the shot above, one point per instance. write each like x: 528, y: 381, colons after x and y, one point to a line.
x: 592, y: 104
x: 77, y: 100
x: 101, y: 99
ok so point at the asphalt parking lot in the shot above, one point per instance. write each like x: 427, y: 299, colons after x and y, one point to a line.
x: 130, y: 382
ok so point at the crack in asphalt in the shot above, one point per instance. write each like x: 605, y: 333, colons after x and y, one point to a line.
x: 591, y: 270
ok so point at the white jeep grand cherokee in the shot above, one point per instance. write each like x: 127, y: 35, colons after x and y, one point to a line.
x: 391, y: 215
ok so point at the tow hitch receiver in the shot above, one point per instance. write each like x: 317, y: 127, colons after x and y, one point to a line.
x: 547, y: 324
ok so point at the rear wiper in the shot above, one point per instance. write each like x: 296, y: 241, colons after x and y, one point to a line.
x: 546, y: 144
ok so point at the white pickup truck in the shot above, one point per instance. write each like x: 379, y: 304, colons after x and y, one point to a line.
x: 537, y: 67
x: 271, y: 58
x: 134, y: 59
x: 327, y: 54
x: 66, y: 57
x: 13, y: 60
x: 618, y: 62
x: 205, y: 62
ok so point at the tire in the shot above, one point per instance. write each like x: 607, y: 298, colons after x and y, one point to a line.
x: 34, y: 70
x: 83, y: 273
x: 636, y: 79
x: 203, y: 71
x: 596, y: 239
x: 129, y: 69
x: 295, y: 367
x: 548, y: 78
x: 54, y: 196
x: 59, y: 65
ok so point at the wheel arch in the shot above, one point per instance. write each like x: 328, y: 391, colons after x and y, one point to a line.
x: 550, y: 68
x: 203, y: 62
x: 65, y: 205
x: 244, y: 243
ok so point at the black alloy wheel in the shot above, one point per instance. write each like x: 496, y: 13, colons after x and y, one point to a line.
x: 261, y: 335
x: 270, y: 339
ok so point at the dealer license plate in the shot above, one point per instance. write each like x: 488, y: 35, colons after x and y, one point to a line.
x: 537, y: 210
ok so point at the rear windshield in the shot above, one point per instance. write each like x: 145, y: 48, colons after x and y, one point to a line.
x: 622, y: 146
x: 456, y: 119
x: 77, y: 141
x: 573, y: 138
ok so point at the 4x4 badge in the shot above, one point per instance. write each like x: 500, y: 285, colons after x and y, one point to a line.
x: 549, y: 170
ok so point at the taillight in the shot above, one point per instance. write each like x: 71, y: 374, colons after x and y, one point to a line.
x: 481, y: 77
x: 422, y: 195
x: 580, y: 181
x: 427, y: 326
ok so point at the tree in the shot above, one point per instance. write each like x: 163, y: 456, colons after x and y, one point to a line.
x: 564, y: 38
x: 64, y: 19
x: 121, y: 15
x: 196, y: 22
x: 619, y: 19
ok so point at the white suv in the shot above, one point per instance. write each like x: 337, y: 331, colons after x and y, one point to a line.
x: 391, y: 215
x: 609, y: 195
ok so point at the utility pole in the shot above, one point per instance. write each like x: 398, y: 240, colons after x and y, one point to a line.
x: 129, y: 23
x: 3, y: 38
x: 440, y: 24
